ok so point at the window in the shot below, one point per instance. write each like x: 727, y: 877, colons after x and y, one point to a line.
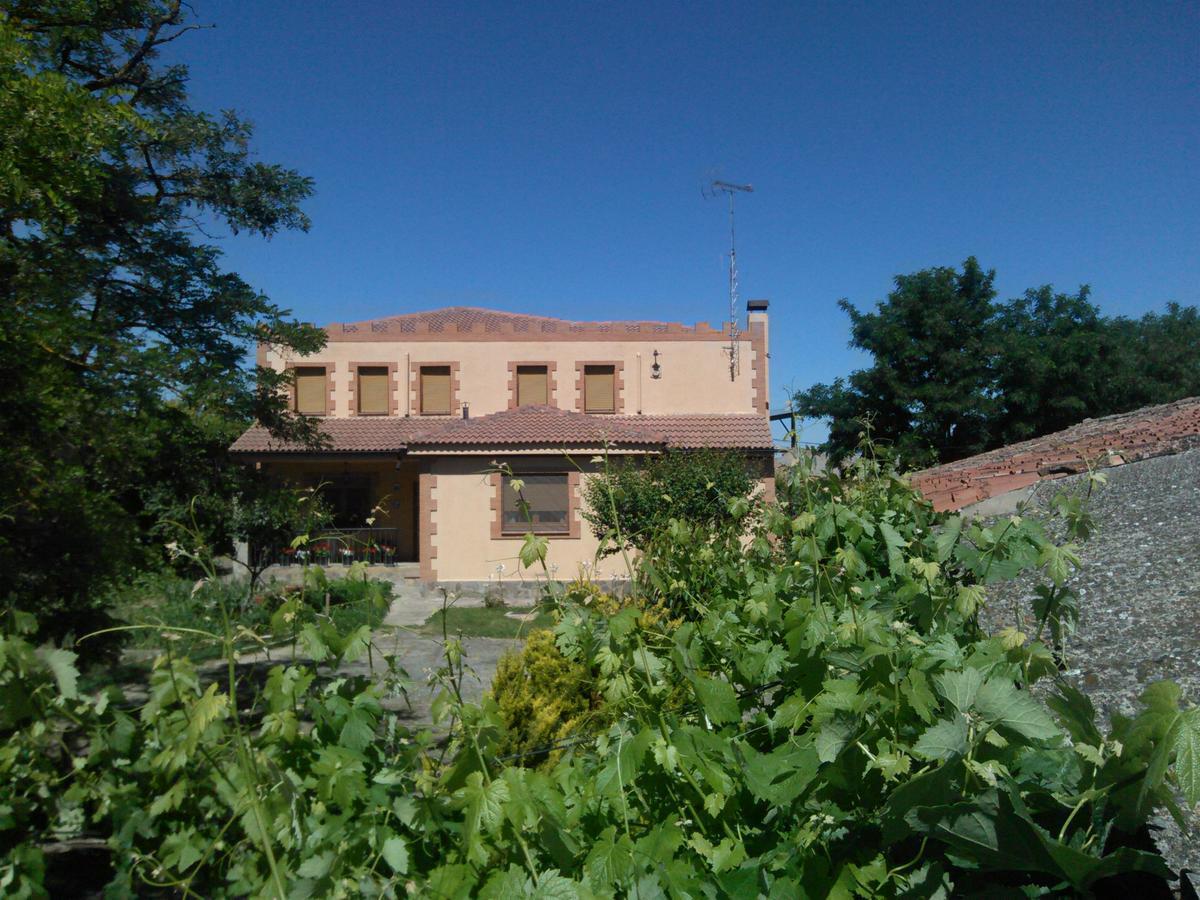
x: 435, y: 390
x: 374, y: 391
x: 599, y: 389
x: 547, y: 497
x: 348, y: 498
x: 311, y: 395
x: 533, y: 386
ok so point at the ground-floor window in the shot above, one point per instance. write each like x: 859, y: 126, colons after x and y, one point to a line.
x: 547, y: 497
x: 348, y: 497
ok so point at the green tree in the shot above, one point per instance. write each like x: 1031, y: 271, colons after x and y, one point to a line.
x: 1158, y: 358
x: 927, y: 391
x: 122, y: 350
x: 956, y: 373
x: 1054, y: 352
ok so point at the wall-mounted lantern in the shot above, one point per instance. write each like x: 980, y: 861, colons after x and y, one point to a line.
x: 655, y: 368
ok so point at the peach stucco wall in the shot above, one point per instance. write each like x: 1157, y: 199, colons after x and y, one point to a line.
x: 695, y: 374
x: 463, y: 545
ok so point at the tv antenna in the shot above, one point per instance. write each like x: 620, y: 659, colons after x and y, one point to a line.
x: 731, y: 190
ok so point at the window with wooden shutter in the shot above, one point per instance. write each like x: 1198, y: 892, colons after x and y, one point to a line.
x: 435, y: 390
x: 373, y: 391
x: 310, y: 390
x: 548, y: 505
x: 533, y: 386
x: 599, y: 389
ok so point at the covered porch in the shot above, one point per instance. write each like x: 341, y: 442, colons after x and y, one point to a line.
x: 375, y: 504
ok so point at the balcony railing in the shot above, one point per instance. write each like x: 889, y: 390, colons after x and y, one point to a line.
x: 375, y: 546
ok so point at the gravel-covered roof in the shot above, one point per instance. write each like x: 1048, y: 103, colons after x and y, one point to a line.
x: 1139, y: 595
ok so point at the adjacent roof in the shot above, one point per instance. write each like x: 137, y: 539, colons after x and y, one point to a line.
x: 720, y: 431
x: 359, y: 434
x: 526, y: 426
x: 1110, y: 441
x: 476, y: 323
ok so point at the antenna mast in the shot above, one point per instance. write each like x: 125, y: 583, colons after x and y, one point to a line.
x: 730, y: 190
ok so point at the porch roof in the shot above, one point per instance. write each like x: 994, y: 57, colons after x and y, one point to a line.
x: 526, y: 426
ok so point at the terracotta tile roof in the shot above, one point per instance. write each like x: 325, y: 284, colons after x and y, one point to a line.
x: 1112, y: 440
x: 719, y: 431
x: 359, y: 434
x: 538, y: 425
x: 526, y: 426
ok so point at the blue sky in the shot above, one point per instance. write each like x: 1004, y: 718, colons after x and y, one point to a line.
x: 549, y: 158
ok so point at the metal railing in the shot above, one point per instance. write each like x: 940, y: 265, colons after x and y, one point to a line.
x: 375, y: 546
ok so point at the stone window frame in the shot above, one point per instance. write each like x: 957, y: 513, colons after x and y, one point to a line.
x: 551, y: 380
x: 352, y: 384
x: 618, y: 385
x: 414, y: 387
x: 574, y: 529
x: 330, y: 398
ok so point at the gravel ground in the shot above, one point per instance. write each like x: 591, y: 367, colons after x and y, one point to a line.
x: 1139, y: 593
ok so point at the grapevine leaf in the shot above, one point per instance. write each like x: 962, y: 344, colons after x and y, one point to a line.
x: 482, y: 812
x: 610, y: 861
x: 943, y: 740
x: 358, y: 731
x: 833, y: 737
x: 960, y: 688
x: 1187, y: 755
x: 718, y: 699
x: 316, y: 866
x: 895, y: 544
x: 915, y: 688
x: 1076, y: 712
x: 781, y: 776
x: 62, y: 666
x: 1001, y: 703
x: 948, y: 537
x: 395, y: 854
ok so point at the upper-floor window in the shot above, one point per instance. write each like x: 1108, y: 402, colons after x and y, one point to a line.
x: 435, y: 391
x: 311, y: 395
x: 542, y: 507
x: 533, y: 386
x: 373, y: 391
x: 599, y: 389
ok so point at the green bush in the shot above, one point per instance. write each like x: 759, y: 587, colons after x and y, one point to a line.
x: 543, y: 698
x: 633, y: 500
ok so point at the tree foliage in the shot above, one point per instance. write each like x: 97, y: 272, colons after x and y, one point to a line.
x: 122, y: 348
x: 632, y: 500
x: 954, y: 372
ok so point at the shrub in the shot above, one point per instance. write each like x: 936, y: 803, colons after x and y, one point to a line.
x: 543, y: 699
x: 632, y: 500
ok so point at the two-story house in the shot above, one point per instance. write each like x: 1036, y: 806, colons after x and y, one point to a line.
x: 420, y: 408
